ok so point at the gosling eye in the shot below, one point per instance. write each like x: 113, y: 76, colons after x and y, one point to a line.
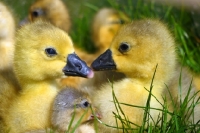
x: 50, y: 52
x: 37, y: 12
x: 121, y: 21
x: 124, y: 47
x: 85, y: 104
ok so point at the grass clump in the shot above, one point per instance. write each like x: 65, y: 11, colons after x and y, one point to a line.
x: 180, y: 120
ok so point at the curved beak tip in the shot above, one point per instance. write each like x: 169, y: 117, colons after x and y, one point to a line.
x: 104, y: 62
x: 90, y: 74
x: 77, y: 67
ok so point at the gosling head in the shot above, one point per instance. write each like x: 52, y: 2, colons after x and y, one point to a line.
x: 71, y: 103
x: 137, y: 48
x: 106, y: 23
x: 53, y: 11
x: 45, y: 52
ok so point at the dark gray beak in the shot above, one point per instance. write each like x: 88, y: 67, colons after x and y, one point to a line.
x: 104, y: 62
x: 76, y: 67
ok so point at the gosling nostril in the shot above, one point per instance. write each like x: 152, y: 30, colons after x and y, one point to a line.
x: 100, y: 61
x: 78, y: 66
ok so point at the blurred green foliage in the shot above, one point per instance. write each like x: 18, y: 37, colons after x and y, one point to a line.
x: 180, y: 21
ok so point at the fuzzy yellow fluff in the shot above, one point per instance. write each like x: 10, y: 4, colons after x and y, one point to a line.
x: 53, y: 11
x: 36, y: 71
x: 7, y: 80
x: 105, y: 24
x: 7, y: 34
x: 136, y: 50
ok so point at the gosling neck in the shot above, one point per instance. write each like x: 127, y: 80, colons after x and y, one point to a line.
x: 41, y: 84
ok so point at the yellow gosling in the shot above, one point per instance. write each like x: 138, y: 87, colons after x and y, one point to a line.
x: 7, y: 37
x: 71, y: 103
x: 136, y: 50
x: 53, y: 11
x: 43, y: 53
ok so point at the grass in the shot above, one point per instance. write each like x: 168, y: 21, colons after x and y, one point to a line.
x: 181, y: 23
x: 182, y: 26
x: 168, y: 122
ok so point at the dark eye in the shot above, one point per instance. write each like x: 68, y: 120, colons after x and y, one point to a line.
x: 121, y: 21
x: 37, y: 12
x: 85, y: 104
x: 50, y: 52
x: 124, y: 47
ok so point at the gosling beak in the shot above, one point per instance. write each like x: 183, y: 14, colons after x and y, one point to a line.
x: 97, y: 115
x: 76, y: 67
x: 104, y: 62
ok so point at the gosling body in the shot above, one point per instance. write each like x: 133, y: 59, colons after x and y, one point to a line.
x: 139, y: 49
x: 8, y: 83
x: 39, y: 45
